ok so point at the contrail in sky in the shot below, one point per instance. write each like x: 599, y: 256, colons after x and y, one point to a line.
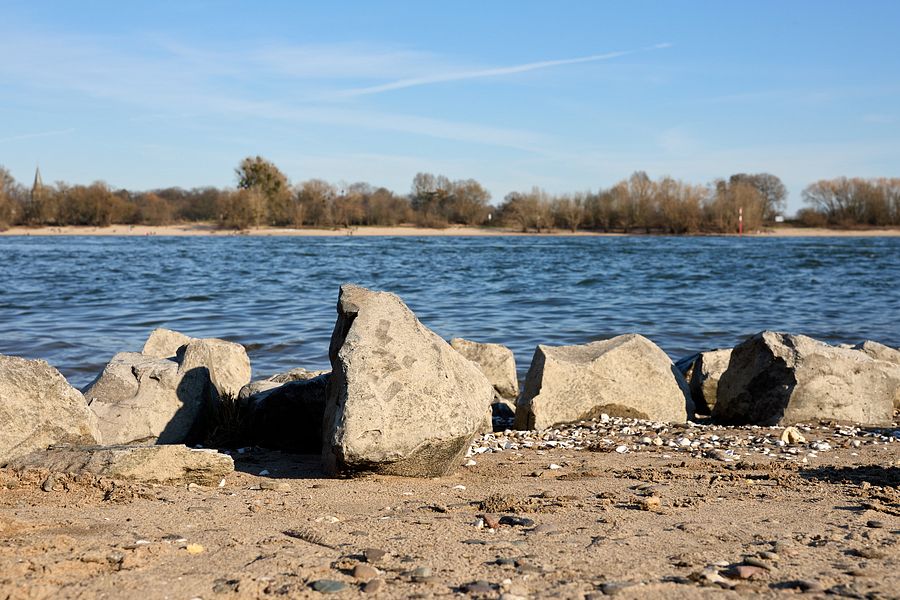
x: 462, y: 75
x: 28, y: 136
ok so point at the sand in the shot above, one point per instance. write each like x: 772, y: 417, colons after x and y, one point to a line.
x: 654, y: 522
x: 202, y: 229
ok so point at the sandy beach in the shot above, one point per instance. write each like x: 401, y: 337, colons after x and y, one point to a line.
x: 577, y: 524
x: 205, y: 229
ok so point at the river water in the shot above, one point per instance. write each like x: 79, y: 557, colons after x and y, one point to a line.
x: 76, y: 301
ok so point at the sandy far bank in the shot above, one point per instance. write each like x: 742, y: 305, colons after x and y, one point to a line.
x: 206, y: 229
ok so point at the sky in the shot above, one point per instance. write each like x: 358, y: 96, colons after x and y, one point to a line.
x: 569, y: 96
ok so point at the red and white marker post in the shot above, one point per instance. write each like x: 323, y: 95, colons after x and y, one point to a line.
x: 741, y: 221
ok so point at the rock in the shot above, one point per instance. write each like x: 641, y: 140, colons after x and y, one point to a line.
x: 164, y: 343
x: 748, y: 572
x: 328, y: 586
x: 400, y: 400
x: 491, y: 521
x: 705, y: 377
x: 139, y: 398
x: 514, y: 521
x: 879, y: 351
x: 364, y: 572
x: 496, y: 362
x: 626, y: 376
x: 792, y: 435
x: 38, y: 408
x: 373, y: 587
x: 779, y: 379
x: 289, y: 416
x: 227, y: 363
x: 260, y: 386
x: 158, y: 464
x: 374, y: 555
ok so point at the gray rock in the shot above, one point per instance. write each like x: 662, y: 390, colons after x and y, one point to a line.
x: 779, y: 379
x: 138, y: 398
x: 626, y: 376
x: 255, y: 388
x: 879, y: 351
x: 400, y: 401
x: 705, y: 376
x: 38, y: 408
x: 158, y: 464
x: 496, y: 362
x: 165, y: 343
x: 288, y: 417
x: 227, y: 363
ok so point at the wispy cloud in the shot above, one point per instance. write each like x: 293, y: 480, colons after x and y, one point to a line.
x: 491, y: 72
x: 37, y: 134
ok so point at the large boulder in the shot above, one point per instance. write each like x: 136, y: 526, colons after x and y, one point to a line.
x: 496, y: 362
x: 705, y: 375
x: 400, y: 401
x: 157, y: 464
x: 165, y: 343
x: 626, y: 376
x: 778, y: 379
x: 39, y: 408
x: 139, y: 398
x: 227, y: 363
x: 287, y: 417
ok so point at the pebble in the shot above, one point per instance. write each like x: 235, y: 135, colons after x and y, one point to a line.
x: 546, y: 528
x: 421, y: 573
x: 365, y: 572
x: 749, y: 572
x: 554, y: 466
x: 194, y: 549
x: 516, y: 521
x: 792, y: 435
x: 374, y: 555
x: 278, y: 486
x: 470, y: 463
x: 374, y: 586
x: 874, y: 524
x: 49, y: 483
x: 328, y: 586
x: 479, y: 587
x: 491, y: 521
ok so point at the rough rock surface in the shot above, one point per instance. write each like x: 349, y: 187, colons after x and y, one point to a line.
x: 164, y: 343
x: 778, y: 379
x: 38, y: 408
x: 158, y: 464
x: 496, y: 362
x: 227, y: 363
x: 259, y: 386
x: 288, y: 417
x: 139, y: 398
x: 400, y: 401
x: 879, y: 351
x: 705, y: 377
x: 627, y: 376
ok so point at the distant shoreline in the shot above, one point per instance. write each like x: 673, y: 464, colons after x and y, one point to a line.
x: 205, y: 229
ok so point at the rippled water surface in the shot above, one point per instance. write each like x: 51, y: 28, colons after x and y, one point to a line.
x: 76, y: 301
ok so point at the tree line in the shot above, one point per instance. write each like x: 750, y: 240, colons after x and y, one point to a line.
x: 264, y: 196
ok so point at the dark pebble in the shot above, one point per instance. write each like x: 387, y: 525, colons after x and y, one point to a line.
x: 874, y: 524
x: 373, y: 586
x: 514, y: 521
x: 475, y: 542
x: 479, y: 587
x: 328, y: 586
x: 226, y: 586
x: 614, y: 587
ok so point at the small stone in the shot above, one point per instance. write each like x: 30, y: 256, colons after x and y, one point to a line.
x: 554, y: 466
x: 511, y: 596
x: 49, y: 483
x: 611, y: 588
x: 546, y: 528
x: 278, y: 486
x: 792, y: 435
x: 491, y: 521
x: 373, y: 586
x: 365, y: 572
x: 621, y: 449
x: 479, y: 587
x: 421, y: 573
x: 226, y: 586
x: 875, y: 524
x: 516, y: 521
x: 374, y: 555
x: 328, y: 586
x: 461, y: 488
x: 470, y: 463
x: 749, y: 572
x: 194, y: 549
x: 769, y: 555
x: 265, y: 472
x: 874, y: 553
x: 810, y: 586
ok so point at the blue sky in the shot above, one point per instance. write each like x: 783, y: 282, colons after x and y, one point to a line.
x: 569, y: 96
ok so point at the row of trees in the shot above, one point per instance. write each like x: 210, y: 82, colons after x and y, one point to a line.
x: 265, y: 197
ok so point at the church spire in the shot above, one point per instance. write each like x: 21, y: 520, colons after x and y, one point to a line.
x: 38, y: 187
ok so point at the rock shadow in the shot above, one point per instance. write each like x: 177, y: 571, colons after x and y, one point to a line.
x: 871, y: 474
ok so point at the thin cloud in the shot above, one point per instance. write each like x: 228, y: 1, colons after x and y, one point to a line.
x: 38, y: 134
x: 494, y: 72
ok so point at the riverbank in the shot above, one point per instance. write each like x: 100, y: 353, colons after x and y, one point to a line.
x: 206, y: 229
